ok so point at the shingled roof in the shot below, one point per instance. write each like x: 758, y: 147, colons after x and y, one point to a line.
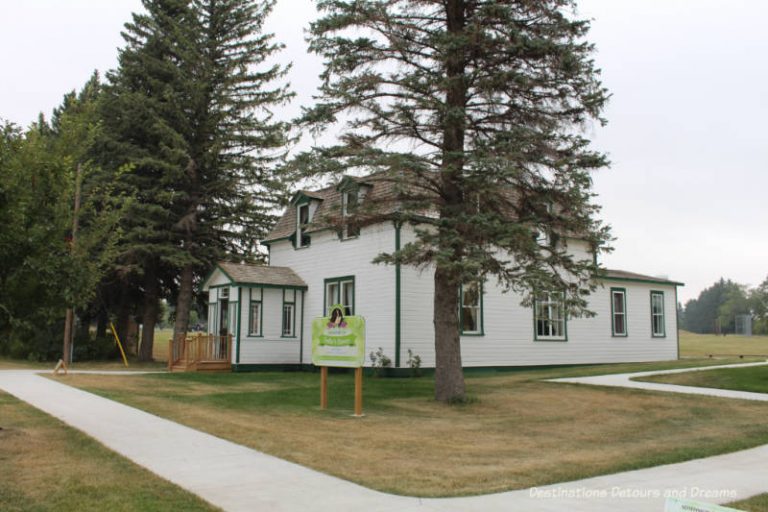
x: 244, y: 273
x: 381, y: 192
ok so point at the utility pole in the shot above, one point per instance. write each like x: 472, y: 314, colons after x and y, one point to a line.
x: 70, y: 316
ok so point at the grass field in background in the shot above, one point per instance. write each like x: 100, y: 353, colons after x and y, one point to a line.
x: 46, y: 465
x: 705, y: 345
x: 516, y: 432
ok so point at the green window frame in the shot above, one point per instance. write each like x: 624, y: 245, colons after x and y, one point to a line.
x: 550, y: 322
x: 658, y: 322
x: 471, y: 309
x: 619, y: 313
x: 339, y: 290
x: 288, y: 317
x: 256, y: 312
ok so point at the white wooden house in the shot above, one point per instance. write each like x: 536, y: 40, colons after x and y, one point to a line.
x: 269, y: 309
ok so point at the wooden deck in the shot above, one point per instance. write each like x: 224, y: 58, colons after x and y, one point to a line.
x: 200, y: 353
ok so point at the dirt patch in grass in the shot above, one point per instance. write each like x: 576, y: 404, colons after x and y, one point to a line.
x: 45, y: 465
x: 518, y: 432
x: 752, y: 378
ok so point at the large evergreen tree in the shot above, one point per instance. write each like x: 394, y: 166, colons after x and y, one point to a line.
x: 145, y: 112
x: 474, y: 107
x: 231, y: 187
x: 189, y: 133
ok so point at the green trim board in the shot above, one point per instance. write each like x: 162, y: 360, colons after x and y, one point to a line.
x: 480, y: 318
x: 398, y: 277
x: 260, y: 302
x: 659, y: 293
x: 270, y: 242
x: 301, y: 328
x: 239, y: 326
x: 677, y: 325
x: 623, y: 292
x: 536, y: 336
x: 644, y: 281
x: 337, y: 299
x: 272, y: 286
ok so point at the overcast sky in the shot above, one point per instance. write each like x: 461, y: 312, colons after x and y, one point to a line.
x: 687, y: 191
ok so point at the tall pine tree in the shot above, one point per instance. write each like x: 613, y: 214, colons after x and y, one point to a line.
x: 232, y: 186
x: 145, y: 112
x: 474, y: 108
x: 190, y: 132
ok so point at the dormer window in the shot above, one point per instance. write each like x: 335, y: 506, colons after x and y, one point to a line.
x: 302, y: 220
x: 349, y: 201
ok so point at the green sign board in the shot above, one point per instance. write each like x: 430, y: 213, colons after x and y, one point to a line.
x: 338, y: 340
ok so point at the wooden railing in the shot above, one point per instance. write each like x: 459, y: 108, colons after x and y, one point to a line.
x: 200, y: 352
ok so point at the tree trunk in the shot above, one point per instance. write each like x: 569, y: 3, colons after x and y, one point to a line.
x: 449, y: 377
x: 149, y: 318
x: 183, y: 302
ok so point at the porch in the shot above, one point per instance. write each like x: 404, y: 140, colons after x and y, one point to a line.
x: 199, y: 353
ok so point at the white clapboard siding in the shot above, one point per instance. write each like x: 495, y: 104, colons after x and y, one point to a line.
x: 271, y: 347
x: 508, y: 338
x: 328, y: 257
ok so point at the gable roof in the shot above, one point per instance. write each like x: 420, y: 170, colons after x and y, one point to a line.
x: 623, y: 275
x: 246, y: 273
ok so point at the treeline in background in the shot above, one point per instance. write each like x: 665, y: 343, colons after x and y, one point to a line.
x: 717, y: 308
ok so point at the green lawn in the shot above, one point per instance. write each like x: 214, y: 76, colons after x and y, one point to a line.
x: 752, y: 378
x: 757, y: 503
x: 516, y: 432
x: 706, y: 345
x: 48, y: 466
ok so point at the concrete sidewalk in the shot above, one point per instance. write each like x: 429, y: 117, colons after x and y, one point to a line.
x: 237, y: 478
x: 624, y: 380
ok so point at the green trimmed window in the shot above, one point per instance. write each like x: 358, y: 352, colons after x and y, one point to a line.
x: 471, y: 308
x: 289, y: 314
x: 549, y: 317
x: 255, y: 312
x: 618, y: 311
x: 658, y: 329
x: 340, y: 290
x: 349, y: 200
x: 302, y: 219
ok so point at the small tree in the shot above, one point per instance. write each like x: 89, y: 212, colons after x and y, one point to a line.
x: 473, y: 107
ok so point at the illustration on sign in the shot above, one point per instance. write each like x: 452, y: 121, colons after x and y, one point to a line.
x: 338, y: 340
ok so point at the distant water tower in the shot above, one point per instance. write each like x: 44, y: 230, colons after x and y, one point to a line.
x: 743, y: 325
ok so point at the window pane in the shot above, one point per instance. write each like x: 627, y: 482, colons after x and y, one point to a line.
x: 471, y: 296
x: 255, y: 318
x: 348, y: 296
x: 469, y: 320
x: 331, y: 295
x: 618, y: 324
x: 288, y: 320
x: 618, y: 302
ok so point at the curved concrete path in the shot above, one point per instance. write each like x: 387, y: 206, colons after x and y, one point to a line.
x: 237, y: 478
x: 625, y: 380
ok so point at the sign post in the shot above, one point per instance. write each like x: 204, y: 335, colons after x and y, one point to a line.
x: 323, y: 387
x: 339, y: 341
